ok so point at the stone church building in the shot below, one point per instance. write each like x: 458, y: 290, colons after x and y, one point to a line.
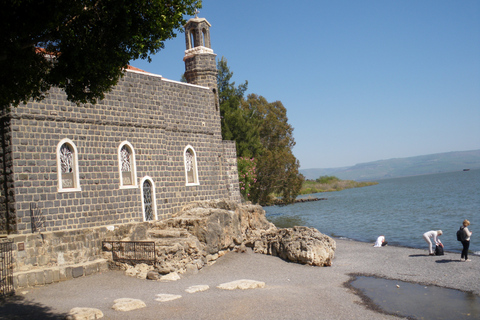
x: 150, y: 147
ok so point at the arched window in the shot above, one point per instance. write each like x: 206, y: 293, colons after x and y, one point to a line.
x: 192, y: 38
x: 191, y: 172
x: 204, y: 34
x: 67, y: 167
x: 149, y: 206
x: 127, y: 166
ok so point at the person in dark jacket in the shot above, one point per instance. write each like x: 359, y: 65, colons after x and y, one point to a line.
x: 465, y: 240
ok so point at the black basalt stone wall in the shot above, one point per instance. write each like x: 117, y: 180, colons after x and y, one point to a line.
x: 158, y: 117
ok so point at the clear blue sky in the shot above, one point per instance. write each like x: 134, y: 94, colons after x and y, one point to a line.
x: 362, y: 80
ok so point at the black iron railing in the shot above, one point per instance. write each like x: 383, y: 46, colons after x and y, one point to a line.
x: 6, y: 268
x: 131, y: 251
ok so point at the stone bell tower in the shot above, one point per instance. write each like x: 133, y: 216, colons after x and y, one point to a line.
x: 200, y: 64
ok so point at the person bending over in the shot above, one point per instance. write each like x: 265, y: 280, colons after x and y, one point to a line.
x: 381, y: 242
x: 432, y: 235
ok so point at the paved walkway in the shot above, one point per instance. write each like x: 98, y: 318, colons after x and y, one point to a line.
x: 291, y: 291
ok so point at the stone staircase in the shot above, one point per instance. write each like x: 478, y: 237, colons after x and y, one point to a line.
x: 175, y: 248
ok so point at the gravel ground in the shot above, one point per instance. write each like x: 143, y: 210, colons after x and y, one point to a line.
x: 292, y: 291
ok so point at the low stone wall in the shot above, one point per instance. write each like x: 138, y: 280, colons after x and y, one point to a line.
x: 48, y: 257
x: 63, y: 248
x: 43, y: 276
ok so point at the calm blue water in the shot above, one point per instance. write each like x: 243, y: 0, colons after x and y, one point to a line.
x: 402, y: 209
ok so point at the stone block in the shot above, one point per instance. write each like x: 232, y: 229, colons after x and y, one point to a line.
x: 43, y: 260
x: 31, y: 280
x: 66, y: 273
x: 48, y: 276
x: 103, y: 266
x: 18, y: 239
x: 40, y: 277
x: 91, y: 268
x: 20, y: 281
x: 56, y: 275
x: 77, y: 272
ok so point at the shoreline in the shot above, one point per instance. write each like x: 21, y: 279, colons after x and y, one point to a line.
x: 291, y: 290
x: 341, y: 238
x: 444, y: 271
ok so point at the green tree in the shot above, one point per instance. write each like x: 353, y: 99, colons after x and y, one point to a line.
x: 247, y: 175
x: 262, y: 134
x: 238, y: 123
x: 85, y: 44
x: 277, y: 167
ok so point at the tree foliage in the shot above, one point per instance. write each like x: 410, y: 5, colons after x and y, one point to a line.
x: 277, y: 167
x: 247, y: 175
x: 237, y: 124
x: 261, y: 131
x: 85, y: 44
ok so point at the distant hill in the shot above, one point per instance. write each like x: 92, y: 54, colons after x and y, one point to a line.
x: 402, y: 167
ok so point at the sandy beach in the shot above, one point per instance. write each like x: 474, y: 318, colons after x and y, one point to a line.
x: 291, y: 291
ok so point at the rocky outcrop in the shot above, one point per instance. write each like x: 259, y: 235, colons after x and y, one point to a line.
x: 204, y: 231
x: 280, y: 202
x: 298, y: 244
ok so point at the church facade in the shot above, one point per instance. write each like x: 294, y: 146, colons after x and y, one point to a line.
x: 150, y: 147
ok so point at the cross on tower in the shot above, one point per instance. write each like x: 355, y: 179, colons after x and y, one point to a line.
x: 196, y: 13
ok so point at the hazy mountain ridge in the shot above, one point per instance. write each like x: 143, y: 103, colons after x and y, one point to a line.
x: 401, y: 167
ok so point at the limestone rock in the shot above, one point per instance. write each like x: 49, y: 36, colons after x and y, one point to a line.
x: 243, y: 284
x: 299, y: 244
x: 140, y: 270
x: 128, y: 304
x: 153, y: 275
x: 84, y: 314
x: 167, y: 297
x: 212, y: 257
x: 173, y: 276
x: 191, y: 268
x: 131, y: 271
x: 199, y: 288
x: 203, y: 231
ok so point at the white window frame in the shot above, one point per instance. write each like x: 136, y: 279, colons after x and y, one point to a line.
x: 195, y: 166
x: 133, y: 164
x: 154, y: 198
x: 76, y: 173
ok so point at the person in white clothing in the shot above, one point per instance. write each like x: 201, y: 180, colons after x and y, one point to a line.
x: 380, y: 242
x: 433, y: 235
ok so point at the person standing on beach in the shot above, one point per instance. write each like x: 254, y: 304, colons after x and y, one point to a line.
x: 465, y: 240
x: 434, y: 236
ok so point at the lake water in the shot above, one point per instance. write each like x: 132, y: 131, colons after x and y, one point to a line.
x: 402, y: 209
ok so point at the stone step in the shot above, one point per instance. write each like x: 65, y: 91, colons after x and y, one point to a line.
x: 168, y: 242
x: 177, y: 223
x: 167, y: 233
